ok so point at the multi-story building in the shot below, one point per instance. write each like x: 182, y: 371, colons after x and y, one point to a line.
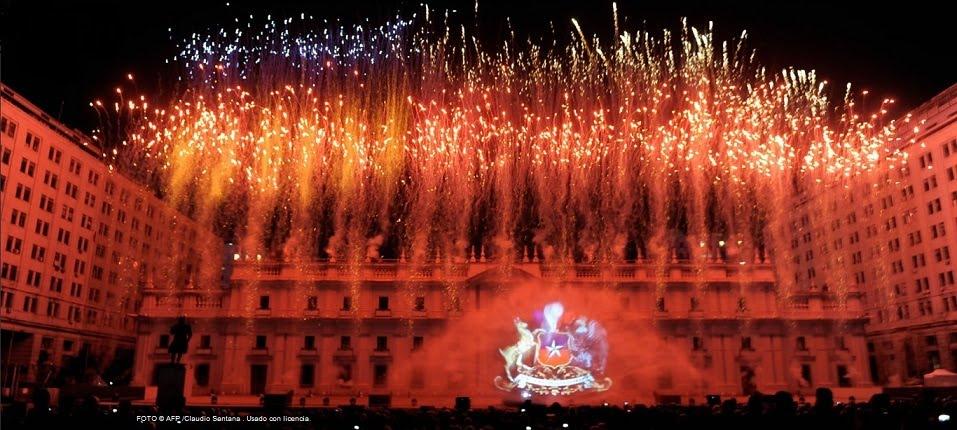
x: 890, y: 234
x: 407, y: 334
x: 79, y: 239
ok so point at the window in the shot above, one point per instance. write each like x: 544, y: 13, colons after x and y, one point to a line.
x: 697, y: 344
x: 97, y: 273
x: 381, y: 343
x: 309, y: 343
x: 347, y: 303
x: 746, y: 343
x: 201, y: 375
x: 86, y: 222
x: 5, y: 158
x: 417, y: 342
x: 8, y: 127
x: 205, y: 341
x: 67, y: 213
x: 33, y: 142
x: 76, y: 289
x: 54, y: 155
x: 894, y: 245
x: 14, y: 244
x: 23, y: 193
x: 312, y: 303
x: 946, y: 279
x: 30, y: 304
x: 6, y: 299
x: 53, y: 309
x: 9, y: 272
x: 164, y: 341
x: 380, y: 375
x: 51, y: 179
x: 420, y: 304
x: 801, y: 343
x: 806, y: 373
x: 18, y: 218
x: 843, y: 376
x: 345, y: 343
x: 46, y: 203
x: 260, y: 342
x: 38, y: 253
x: 918, y: 260
x: 27, y: 167
x: 914, y: 238
x: 56, y: 284
x: 925, y: 308
x: 383, y: 303
x: 344, y: 375
x: 942, y: 254
x: 264, y: 302
x: 950, y: 304
x: 887, y: 202
x: 71, y: 190
x: 307, y: 375
x: 59, y: 262
x: 33, y: 278
x: 75, y: 166
x: 63, y: 236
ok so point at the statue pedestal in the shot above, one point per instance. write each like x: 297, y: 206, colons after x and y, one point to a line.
x: 170, y: 381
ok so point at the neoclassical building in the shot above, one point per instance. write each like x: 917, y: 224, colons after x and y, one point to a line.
x: 378, y: 332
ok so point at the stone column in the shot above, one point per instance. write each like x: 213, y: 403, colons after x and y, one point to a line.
x: 234, y: 380
x: 142, y: 364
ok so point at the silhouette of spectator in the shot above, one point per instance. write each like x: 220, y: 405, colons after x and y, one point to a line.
x: 775, y: 412
x: 182, y: 333
x: 824, y: 415
x: 40, y: 416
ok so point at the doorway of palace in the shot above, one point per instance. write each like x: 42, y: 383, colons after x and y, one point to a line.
x: 257, y: 378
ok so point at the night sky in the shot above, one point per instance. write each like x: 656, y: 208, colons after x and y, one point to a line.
x: 63, y: 55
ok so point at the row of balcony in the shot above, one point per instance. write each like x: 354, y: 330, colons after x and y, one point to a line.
x: 794, y: 312
x: 682, y: 271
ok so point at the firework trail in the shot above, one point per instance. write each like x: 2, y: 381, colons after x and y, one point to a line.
x: 301, y: 139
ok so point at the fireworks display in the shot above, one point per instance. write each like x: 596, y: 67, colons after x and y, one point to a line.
x: 300, y: 139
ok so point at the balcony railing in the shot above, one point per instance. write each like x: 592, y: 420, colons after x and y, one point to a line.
x: 642, y: 270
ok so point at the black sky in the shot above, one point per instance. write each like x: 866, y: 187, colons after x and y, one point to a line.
x: 61, y: 55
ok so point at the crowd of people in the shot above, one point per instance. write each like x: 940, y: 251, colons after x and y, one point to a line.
x: 779, y: 411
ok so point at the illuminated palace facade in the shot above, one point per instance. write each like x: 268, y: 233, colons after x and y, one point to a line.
x: 893, y: 239
x: 79, y: 240
x: 279, y: 327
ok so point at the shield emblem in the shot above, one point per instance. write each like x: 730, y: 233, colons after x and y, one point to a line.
x: 553, y: 349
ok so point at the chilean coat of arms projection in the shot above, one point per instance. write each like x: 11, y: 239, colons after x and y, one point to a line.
x: 563, y: 356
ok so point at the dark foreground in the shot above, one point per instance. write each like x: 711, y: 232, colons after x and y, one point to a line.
x: 775, y: 412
